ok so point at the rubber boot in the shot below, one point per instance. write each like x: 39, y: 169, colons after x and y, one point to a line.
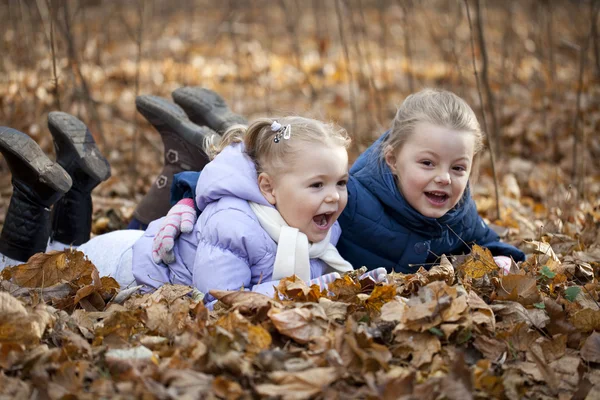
x: 206, y: 107
x: 38, y: 183
x: 77, y: 153
x: 184, y: 150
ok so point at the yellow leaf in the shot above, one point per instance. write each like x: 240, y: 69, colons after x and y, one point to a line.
x: 479, y: 263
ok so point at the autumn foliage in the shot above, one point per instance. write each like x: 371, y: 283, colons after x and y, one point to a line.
x: 459, y: 330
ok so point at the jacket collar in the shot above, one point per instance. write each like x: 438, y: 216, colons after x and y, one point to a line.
x: 373, y: 173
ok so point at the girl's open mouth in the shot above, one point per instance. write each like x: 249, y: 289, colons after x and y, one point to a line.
x: 437, y: 198
x: 323, y: 220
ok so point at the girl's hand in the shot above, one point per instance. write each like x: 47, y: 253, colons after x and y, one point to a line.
x: 504, y: 263
x: 378, y: 275
x: 324, y: 280
x: 180, y: 219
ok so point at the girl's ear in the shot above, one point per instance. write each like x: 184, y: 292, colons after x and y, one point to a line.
x: 390, y: 158
x: 266, y: 186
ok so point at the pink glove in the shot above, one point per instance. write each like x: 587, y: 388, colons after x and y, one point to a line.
x: 180, y: 219
x: 378, y: 275
x: 504, y: 263
x: 324, y: 280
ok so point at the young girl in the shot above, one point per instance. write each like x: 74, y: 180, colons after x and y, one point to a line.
x: 408, y: 193
x: 270, y: 203
x: 269, y: 206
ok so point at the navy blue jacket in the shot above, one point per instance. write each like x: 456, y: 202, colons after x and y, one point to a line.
x: 380, y: 229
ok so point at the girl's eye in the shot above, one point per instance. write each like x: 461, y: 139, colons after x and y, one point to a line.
x: 342, y: 183
x: 317, y: 185
x: 427, y: 163
x: 460, y: 168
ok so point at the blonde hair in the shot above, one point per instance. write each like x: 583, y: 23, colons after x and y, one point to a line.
x: 260, y: 146
x: 437, y: 107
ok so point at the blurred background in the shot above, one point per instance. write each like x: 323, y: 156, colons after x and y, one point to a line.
x: 537, y: 87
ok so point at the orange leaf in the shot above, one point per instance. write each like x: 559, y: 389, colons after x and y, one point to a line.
x: 479, y: 263
x: 47, y: 269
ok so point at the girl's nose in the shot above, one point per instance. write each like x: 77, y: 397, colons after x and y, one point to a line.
x: 443, y: 178
x: 332, y: 197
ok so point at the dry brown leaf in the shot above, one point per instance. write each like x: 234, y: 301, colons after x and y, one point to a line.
x: 246, y: 302
x: 519, y: 288
x: 479, y: 263
x: 48, y: 269
x: 422, y: 346
x: 481, y: 313
x: 510, y: 313
x: 590, y: 351
x: 254, y: 337
x: 187, y: 384
x: 394, y: 309
x: 444, y: 271
x: 295, y: 289
x: 19, y: 325
x: 586, y: 320
x: 334, y: 310
x: 301, y: 324
x: 491, y: 348
x: 298, y: 385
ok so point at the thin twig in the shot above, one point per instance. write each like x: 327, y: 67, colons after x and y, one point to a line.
x: 73, y: 59
x: 485, y: 80
x: 139, y: 42
x: 406, y: 7
x: 492, y: 157
x: 52, y: 48
x: 338, y: 12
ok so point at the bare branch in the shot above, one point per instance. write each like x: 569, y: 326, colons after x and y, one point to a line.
x: 485, y: 78
x: 492, y: 158
x: 338, y: 12
x: 406, y: 8
x: 139, y: 43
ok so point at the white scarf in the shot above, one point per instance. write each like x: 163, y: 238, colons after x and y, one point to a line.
x: 293, y: 250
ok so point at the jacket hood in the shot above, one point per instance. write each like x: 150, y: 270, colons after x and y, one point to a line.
x: 230, y: 174
x: 371, y: 171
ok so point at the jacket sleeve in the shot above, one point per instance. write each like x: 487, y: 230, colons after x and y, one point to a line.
x: 229, y: 253
x: 184, y: 186
x: 486, y: 237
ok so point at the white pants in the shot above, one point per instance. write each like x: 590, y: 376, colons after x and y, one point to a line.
x: 111, y: 253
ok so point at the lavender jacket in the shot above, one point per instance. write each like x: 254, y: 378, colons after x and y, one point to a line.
x: 228, y: 249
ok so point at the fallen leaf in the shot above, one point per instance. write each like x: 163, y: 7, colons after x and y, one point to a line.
x: 298, y: 385
x: 246, y: 302
x: 444, y: 271
x: 586, y: 320
x: 48, y: 269
x: 479, y: 263
x: 301, y: 324
x: 518, y: 288
x: 590, y: 351
x: 335, y: 310
x: 422, y: 346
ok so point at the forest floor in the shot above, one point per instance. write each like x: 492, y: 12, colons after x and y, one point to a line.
x: 461, y: 330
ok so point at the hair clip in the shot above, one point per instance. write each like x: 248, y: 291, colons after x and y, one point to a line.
x: 281, y: 131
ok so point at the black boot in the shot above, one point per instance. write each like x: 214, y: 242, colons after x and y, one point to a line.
x: 77, y: 153
x: 37, y: 184
x: 206, y: 107
x: 184, y: 144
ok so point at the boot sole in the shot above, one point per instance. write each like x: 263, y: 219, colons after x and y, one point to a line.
x: 19, y: 147
x: 202, y: 105
x: 73, y: 133
x: 168, y: 117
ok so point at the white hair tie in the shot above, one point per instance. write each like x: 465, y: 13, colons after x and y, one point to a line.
x: 281, y: 131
